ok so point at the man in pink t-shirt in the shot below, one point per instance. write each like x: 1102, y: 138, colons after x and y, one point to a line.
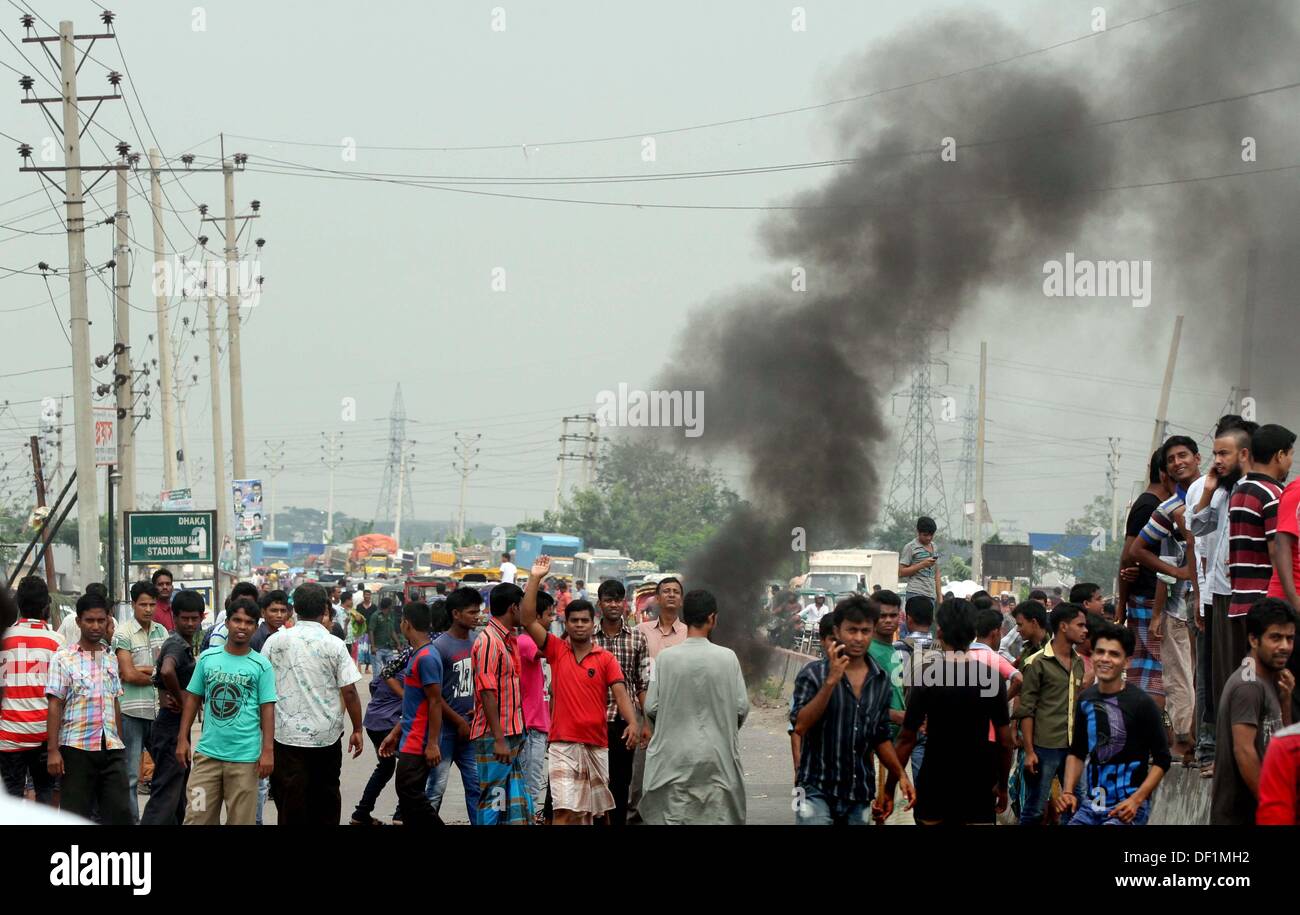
x: 988, y: 635
x: 535, y: 698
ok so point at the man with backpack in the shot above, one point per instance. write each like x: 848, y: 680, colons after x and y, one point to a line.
x: 911, y: 653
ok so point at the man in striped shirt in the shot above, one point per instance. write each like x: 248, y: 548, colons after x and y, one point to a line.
x: 498, y: 727
x: 1252, y: 522
x: 25, y: 653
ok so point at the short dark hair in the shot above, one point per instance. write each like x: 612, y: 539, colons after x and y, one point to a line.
x: 1268, y: 440
x: 8, y: 607
x: 925, y: 525
x: 463, y: 598
x: 580, y: 583
x: 439, y: 618
x: 856, y: 608
x: 247, y: 605
x: 143, y: 587
x: 241, y: 589
x: 1063, y: 612
x: 504, y: 596
x: 1094, y: 623
x: 188, y: 602
x: 97, y: 587
x: 697, y: 607
x: 1121, y: 634
x: 273, y: 597
x: 983, y: 602
x: 418, y: 615
x: 611, y: 589
x: 663, y: 581
x: 920, y: 609
x: 386, y: 603
x: 544, y: 603
x: 1240, y: 429
x: 885, y: 596
x: 1039, y: 595
x: 1174, y: 441
x: 1083, y: 591
x: 1268, y: 611
x: 987, y: 620
x: 1157, y: 466
x: 310, y: 601
x: 956, y: 621
x: 825, y: 625
x: 33, y: 598
x: 91, y: 600
x: 1031, y: 610
x: 160, y: 573
x: 579, y: 606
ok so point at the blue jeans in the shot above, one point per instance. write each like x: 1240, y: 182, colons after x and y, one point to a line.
x: 263, y: 789
x: 533, y: 761
x: 382, y: 658
x: 817, y: 809
x: 462, y: 754
x: 1051, y: 763
x: 135, y: 734
x: 1089, y: 815
x: 918, y: 757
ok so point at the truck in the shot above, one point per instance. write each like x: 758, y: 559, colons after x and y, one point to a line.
x: 599, y: 565
x: 842, y: 571
x: 560, y: 547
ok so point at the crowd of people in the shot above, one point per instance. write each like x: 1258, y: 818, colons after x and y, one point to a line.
x: 1057, y: 709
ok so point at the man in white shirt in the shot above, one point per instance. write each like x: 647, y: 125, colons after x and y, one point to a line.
x: 812, y: 613
x: 508, y: 569
x: 315, y: 681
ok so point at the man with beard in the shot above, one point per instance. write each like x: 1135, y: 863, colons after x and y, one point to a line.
x: 1207, y: 517
x: 1164, y: 646
x: 1120, y: 730
x: 1255, y: 704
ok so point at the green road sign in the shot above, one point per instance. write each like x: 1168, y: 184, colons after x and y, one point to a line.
x: 173, y: 537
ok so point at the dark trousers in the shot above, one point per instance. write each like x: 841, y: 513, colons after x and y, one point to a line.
x: 17, y: 765
x: 1228, y: 646
x: 382, y: 775
x: 305, y: 784
x: 620, y: 771
x: 412, y: 776
x: 167, y: 797
x: 94, y: 782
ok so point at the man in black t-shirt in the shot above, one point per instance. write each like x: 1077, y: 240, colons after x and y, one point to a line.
x: 166, y: 805
x: 1137, y: 583
x: 1118, y: 735
x: 957, y: 699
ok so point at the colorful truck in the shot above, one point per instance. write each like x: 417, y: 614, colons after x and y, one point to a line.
x: 560, y: 547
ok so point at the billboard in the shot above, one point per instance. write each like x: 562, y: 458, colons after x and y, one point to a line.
x: 247, y: 509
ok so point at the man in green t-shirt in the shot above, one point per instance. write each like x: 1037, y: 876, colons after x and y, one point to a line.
x: 882, y: 652
x: 385, y: 631
x: 237, y: 688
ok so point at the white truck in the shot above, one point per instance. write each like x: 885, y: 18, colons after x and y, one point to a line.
x: 842, y: 571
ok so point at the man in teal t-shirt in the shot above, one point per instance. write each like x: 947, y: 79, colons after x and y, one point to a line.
x: 237, y: 688
x: 882, y: 652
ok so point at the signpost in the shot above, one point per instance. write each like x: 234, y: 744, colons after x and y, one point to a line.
x: 170, y: 537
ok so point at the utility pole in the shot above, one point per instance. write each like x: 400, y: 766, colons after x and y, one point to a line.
x: 122, y: 369
x: 1112, y: 478
x: 221, y: 491
x: 331, y: 460
x: 274, y: 465
x: 1247, y: 334
x: 977, y: 553
x: 559, y: 476
x: 589, y: 460
x: 466, y: 449
x: 1162, y: 410
x: 165, y: 391
x: 40, y: 503
x: 587, y: 456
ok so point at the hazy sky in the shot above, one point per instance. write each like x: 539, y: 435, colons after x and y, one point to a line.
x: 372, y: 284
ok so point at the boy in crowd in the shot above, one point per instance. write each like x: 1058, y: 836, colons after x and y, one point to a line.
x: 236, y: 687
x: 26, y: 649
x: 176, y: 661
x: 138, y: 642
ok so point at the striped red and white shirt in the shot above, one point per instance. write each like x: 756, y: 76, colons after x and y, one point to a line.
x: 495, y: 657
x: 1252, y: 522
x: 25, y: 652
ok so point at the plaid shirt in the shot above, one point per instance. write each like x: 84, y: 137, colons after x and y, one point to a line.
x: 88, y: 682
x: 633, y: 655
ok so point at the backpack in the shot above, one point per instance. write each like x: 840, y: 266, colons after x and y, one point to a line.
x: 915, y: 659
x: 207, y: 637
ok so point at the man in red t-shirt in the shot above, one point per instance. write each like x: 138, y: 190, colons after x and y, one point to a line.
x: 582, y: 675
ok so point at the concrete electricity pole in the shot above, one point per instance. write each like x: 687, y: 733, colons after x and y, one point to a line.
x: 1162, y: 410
x: 331, y: 460
x: 1112, y: 477
x: 122, y: 369
x: 161, y: 294
x: 466, y: 449
x: 221, y: 492
x: 401, y: 483
x: 977, y: 551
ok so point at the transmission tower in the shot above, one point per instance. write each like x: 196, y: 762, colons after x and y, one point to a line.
x: 966, y: 465
x: 394, y: 479
x: 917, y: 484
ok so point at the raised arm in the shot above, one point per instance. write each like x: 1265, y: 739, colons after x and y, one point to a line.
x: 528, y: 608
